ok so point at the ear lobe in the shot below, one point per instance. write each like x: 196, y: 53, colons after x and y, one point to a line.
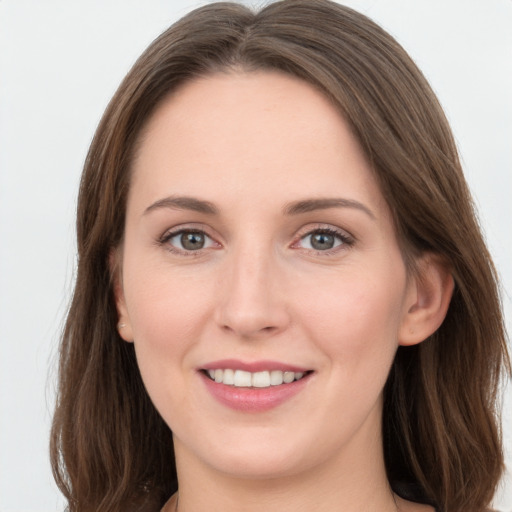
x: 428, y: 301
x: 123, y: 324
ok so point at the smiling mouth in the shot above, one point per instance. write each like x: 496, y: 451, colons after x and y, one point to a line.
x: 244, y: 379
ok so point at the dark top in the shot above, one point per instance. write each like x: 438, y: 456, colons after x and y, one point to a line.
x: 412, y: 492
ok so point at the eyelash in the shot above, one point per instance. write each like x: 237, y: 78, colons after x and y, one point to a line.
x: 346, y: 241
x: 169, y: 235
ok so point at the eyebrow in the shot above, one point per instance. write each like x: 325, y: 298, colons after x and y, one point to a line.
x: 310, y: 205
x: 183, y: 203
x: 294, y: 208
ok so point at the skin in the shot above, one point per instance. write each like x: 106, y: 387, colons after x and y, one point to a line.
x: 251, y: 144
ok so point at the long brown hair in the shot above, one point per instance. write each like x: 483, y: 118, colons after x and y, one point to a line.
x: 110, y: 449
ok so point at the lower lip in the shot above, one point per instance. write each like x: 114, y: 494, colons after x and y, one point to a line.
x: 254, y: 399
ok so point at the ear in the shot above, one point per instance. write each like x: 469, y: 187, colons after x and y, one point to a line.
x: 124, y: 327
x: 427, y: 301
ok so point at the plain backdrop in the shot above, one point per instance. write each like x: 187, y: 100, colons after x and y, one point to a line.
x: 60, y: 62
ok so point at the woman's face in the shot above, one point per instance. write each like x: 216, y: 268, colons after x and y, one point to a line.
x: 259, y: 249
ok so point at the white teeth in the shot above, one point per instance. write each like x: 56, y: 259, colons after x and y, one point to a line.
x: 288, y: 377
x: 276, y: 378
x: 261, y: 380
x: 229, y: 377
x: 243, y: 379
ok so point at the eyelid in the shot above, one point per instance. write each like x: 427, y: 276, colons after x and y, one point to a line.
x: 192, y: 226
x: 320, y: 226
x: 348, y: 240
x: 185, y: 228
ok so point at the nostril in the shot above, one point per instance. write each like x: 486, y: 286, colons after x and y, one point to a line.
x: 250, y: 332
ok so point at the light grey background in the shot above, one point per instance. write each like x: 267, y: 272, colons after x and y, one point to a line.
x: 60, y: 61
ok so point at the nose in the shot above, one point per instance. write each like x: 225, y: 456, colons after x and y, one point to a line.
x: 252, y: 302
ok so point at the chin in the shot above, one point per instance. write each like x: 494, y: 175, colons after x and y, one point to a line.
x: 262, y: 466
x: 256, y: 453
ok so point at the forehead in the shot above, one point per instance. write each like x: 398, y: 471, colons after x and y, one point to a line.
x: 244, y: 134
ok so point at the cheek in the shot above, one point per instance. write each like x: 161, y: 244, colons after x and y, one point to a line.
x: 167, y: 315
x: 166, y: 312
x: 164, y: 305
x: 355, y: 318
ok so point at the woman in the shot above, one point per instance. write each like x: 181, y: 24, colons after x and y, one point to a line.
x: 283, y: 299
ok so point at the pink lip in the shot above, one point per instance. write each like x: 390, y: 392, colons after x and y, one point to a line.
x: 253, y: 400
x: 255, y: 366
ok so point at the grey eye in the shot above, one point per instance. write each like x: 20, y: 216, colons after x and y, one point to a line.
x: 192, y: 241
x: 189, y: 240
x: 323, y: 240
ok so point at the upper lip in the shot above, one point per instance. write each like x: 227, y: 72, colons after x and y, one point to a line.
x: 252, y: 366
